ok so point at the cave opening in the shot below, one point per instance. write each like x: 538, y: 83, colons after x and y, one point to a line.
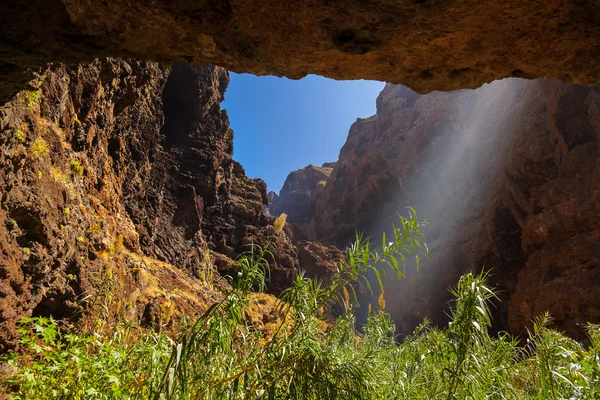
x: 461, y: 158
x: 282, y: 125
x: 125, y: 213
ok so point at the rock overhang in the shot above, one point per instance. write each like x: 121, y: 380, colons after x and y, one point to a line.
x: 424, y: 44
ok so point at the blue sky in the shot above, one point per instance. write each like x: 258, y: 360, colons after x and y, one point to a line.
x: 282, y: 125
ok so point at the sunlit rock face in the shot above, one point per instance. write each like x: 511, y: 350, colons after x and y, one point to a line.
x: 118, y: 180
x: 425, y: 44
x: 508, y: 176
x: 298, y: 195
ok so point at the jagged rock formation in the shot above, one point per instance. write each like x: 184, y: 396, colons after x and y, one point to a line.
x: 297, y: 197
x: 196, y: 194
x: 425, y: 44
x: 118, y: 183
x: 508, y: 176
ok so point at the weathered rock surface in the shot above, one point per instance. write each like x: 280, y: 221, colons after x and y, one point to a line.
x: 297, y: 197
x: 62, y: 225
x: 118, y: 182
x: 508, y: 176
x: 196, y: 196
x: 425, y: 44
x: 318, y: 261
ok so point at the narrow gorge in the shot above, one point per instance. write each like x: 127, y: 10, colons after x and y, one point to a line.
x: 140, y: 259
x: 120, y: 173
x: 508, y: 177
x: 130, y: 154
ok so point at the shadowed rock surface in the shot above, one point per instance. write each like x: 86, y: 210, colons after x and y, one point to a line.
x: 425, y: 44
x: 508, y: 175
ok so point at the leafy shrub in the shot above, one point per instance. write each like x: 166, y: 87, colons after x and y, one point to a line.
x: 56, y: 365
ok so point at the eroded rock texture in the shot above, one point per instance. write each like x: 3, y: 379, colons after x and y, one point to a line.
x: 297, y: 197
x: 508, y: 176
x: 66, y: 156
x: 195, y: 195
x: 118, y: 183
x: 425, y: 44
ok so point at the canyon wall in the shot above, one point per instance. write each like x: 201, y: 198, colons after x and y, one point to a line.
x: 425, y: 44
x: 508, y: 175
x: 118, y: 192
x: 297, y: 198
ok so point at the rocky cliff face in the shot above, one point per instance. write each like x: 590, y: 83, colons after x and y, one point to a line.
x: 508, y: 177
x: 298, y: 195
x: 425, y: 44
x: 119, y: 187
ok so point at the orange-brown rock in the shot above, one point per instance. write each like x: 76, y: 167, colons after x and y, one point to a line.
x: 319, y: 261
x: 62, y: 226
x: 425, y: 44
x: 118, y: 182
x: 508, y: 177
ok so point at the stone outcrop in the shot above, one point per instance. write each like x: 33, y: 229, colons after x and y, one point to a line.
x: 425, y: 44
x: 297, y: 197
x: 508, y: 177
x: 119, y: 192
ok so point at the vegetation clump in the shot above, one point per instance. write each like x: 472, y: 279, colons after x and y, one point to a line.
x: 279, y: 222
x: 20, y: 135
x: 32, y: 96
x: 39, y: 148
x: 222, y: 356
x: 116, y: 246
x: 76, y: 168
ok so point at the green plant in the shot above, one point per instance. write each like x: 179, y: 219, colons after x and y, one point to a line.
x: 116, y: 246
x: 32, y: 97
x: 20, y: 135
x: 300, y: 361
x: 42, y: 80
x: 223, y: 356
x: 39, y: 148
x: 68, y: 366
x: 76, y: 168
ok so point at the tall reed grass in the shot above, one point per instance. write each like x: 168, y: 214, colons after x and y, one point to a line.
x: 222, y: 356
